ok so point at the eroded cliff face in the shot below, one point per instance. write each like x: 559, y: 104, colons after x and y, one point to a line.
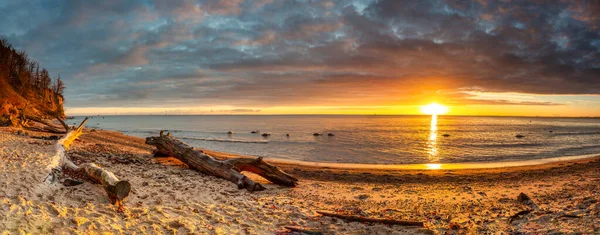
x: 16, y: 108
x: 27, y: 91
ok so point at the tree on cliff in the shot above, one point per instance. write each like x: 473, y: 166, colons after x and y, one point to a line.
x: 59, y: 86
x: 26, y: 90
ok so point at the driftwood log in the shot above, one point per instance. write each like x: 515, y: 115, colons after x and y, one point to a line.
x: 303, y: 230
x: 116, y: 189
x: 48, y: 127
x: 516, y: 216
x: 351, y: 218
x: 230, y: 169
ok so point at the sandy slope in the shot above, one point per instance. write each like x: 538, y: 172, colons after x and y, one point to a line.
x: 169, y: 198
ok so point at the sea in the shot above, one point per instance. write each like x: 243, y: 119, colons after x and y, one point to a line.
x: 371, y: 139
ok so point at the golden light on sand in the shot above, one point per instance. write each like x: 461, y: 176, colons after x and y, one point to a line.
x: 434, y: 109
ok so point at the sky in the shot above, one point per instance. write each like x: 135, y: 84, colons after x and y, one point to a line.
x: 529, y: 58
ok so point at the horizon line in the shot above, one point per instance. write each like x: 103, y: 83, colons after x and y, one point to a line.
x: 242, y: 114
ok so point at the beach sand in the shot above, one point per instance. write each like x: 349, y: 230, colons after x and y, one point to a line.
x: 168, y: 198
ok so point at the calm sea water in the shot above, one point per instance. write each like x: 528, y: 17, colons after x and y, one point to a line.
x: 373, y: 139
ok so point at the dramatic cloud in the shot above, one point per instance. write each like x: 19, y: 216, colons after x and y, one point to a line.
x: 268, y: 53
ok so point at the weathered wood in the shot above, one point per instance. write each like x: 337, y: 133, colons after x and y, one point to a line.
x: 569, y: 216
x: 117, y: 190
x: 520, y: 213
x: 63, y: 124
x: 227, y: 169
x: 371, y: 220
x: 72, y: 135
x: 266, y: 170
x: 303, y: 230
x: 49, y: 127
x: 61, y: 158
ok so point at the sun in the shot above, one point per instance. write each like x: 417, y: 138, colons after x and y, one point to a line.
x: 434, y: 109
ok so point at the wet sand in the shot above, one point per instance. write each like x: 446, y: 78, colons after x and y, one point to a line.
x: 169, y: 198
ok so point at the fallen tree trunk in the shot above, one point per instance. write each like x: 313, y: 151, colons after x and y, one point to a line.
x: 62, y: 159
x: 68, y: 139
x: 49, y: 127
x: 228, y: 169
x: 266, y: 170
x: 371, y: 220
x: 116, y: 189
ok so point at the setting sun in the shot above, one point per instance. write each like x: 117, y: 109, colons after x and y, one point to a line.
x: 434, y: 109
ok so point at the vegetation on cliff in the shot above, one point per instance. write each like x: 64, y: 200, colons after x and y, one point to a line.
x: 26, y: 90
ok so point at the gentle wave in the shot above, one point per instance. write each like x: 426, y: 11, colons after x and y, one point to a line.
x: 574, y: 148
x: 577, y: 133
x: 228, y: 140
x: 155, y: 131
x: 513, y: 145
x: 432, y: 166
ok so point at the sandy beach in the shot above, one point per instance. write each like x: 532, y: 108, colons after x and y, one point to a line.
x: 300, y: 117
x: 169, y: 198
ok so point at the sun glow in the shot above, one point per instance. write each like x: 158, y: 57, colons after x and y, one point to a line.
x: 433, y: 166
x: 434, y: 109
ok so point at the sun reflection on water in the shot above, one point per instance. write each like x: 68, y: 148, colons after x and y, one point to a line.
x: 432, y: 149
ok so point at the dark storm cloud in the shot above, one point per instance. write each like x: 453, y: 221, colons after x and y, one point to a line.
x: 270, y: 53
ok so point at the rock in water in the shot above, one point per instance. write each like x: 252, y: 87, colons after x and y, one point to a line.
x: 230, y: 132
x: 317, y: 134
x: 519, y: 136
x: 330, y: 134
x: 266, y: 134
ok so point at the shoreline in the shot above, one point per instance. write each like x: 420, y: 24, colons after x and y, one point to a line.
x: 391, y: 174
x: 168, y: 197
x: 308, y: 168
x: 418, y: 166
x: 392, y: 166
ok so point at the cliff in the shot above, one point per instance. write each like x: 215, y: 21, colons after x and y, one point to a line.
x: 26, y: 92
